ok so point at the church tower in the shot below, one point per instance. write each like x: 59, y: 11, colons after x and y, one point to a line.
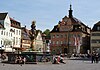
x: 70, y: 11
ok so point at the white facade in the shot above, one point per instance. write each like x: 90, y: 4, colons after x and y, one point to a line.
x: 7, y: 40
x: 38, y: 43
x: 5, y: 34
x: 16, y: 37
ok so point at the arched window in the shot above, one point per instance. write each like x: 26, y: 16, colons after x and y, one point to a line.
x: 1, y: 42
x: 1, y: 32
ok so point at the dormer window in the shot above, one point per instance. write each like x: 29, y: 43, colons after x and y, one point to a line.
x: 98, y: 27
x: 12, y: 30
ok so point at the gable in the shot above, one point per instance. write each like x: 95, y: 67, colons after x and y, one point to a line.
x: 39, y: 37
x: 7, y: 22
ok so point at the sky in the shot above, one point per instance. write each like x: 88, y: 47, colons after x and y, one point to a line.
x: 47, y: 13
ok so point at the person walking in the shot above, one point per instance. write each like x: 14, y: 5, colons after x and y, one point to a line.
x: 97, y: 57
x: 93, y: 57
x: 24, y: 60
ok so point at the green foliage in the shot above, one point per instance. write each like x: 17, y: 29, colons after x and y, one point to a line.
x: 47, y: 32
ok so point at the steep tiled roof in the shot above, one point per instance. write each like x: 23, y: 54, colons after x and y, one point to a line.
x: 25, y: 33
x: 66, y: 21
x: 98, y: 23
x: 37, y: 31
x: 15, y: 23
x: 55, y: 29
x: 70, y: 22
x: 3, y: 16
x: 13, y: 19
x: 95, y: 27
x: 1, y: 26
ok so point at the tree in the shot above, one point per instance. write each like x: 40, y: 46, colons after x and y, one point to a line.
x: 47, y: 32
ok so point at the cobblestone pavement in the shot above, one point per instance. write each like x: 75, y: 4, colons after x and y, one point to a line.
x: 70, y: 65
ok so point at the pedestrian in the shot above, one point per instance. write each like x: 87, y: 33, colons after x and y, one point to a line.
x: 97, y: 57
x: 93, y: 57
x: 16, y: 59
x: 24, y: 60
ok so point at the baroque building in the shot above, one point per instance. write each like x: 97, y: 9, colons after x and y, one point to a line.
x: 70, y: 35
